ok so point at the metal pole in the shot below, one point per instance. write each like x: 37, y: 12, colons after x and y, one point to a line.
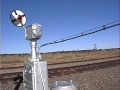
x: 25, y: 31
x: 33, y: 44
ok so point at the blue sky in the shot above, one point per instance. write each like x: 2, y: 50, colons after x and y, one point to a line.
x: 60, y: 18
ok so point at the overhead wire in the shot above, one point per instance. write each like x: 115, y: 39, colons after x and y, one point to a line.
x: 91, y: 31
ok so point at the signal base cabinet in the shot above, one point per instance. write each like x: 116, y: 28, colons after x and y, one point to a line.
x: 35, y: 75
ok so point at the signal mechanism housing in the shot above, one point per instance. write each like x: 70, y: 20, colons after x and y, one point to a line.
x: 33, y: 32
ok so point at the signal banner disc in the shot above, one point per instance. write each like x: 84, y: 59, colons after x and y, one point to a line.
x: 18, y: 18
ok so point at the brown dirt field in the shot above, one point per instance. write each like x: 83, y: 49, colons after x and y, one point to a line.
x: 58, y: 57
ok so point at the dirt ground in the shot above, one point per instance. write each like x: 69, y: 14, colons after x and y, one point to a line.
x: 101, y: 78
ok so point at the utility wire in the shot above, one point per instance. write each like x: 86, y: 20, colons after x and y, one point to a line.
x: 101, y: 28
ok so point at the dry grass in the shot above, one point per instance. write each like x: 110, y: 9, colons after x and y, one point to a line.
x: 75, y: 56
x: 58, y: 57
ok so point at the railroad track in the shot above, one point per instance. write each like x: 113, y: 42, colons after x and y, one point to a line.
x: 81, y: 68
x: 21, y: 66
x: 66, y: 68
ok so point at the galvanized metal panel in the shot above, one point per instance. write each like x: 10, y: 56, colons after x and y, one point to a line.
x: 35, y: 75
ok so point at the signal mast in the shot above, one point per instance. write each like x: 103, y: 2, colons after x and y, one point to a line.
x: 35, y: 74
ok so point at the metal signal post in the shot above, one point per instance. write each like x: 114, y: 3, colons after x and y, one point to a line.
x: 35, y: 74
